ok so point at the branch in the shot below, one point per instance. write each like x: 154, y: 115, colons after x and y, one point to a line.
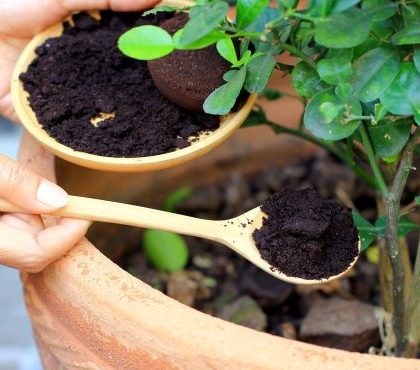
x: 392, y: 207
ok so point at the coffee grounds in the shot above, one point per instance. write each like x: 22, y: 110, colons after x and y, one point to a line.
x: 188, y: 77
x: 82, y: 75
x: 305, y: 235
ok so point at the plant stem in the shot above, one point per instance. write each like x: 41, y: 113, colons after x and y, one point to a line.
x: 372, y: 161
x: 297, y: 53
x: 330, y: 148
x: 392, y: 207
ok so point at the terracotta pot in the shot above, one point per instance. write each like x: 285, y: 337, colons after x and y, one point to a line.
x: 87, y: 313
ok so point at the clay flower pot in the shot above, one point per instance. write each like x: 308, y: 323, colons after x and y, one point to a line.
x: 87, y: 313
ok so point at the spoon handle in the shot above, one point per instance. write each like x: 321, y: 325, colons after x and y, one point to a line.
x: 126, y: 214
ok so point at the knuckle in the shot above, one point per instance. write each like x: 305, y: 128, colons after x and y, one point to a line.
x: 11, y: 175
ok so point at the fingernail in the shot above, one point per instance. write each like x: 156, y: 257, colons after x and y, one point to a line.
x: 51, y: 195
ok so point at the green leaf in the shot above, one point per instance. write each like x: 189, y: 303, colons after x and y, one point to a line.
x: 164, y: 250
x: 306, y: 80
x: 340, y: 5
x: 146, y: 43
x: 222, y: 100
x: 205, y: 41
x: 162, y: 9
x: 255, y: 118
x: 405, y: 226
x: 342, y: 30
x: 403, y: 95
x: 334, y: 70
x: 203, y: 19
x: 258, y: 72
x: 177, y: 197
x: 344, y: 91
x: 388, y: 138
x: 417, y: 199
x: 272, y: 94
x: 374, y: 72
x: 229, y: 74
x: 266, y: 16
x: 248, y: 11
x: 227, y: 50
x: 416, y: 59
x: 367, y: 232
x: 335, y: 129
x: 379, y: 10
x: 329, y: 111
x: 410, y: 34
x: 380, y: 111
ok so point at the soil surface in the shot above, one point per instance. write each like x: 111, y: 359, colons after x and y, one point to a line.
x: 188, y: 77
x: 221, y: 283
x: 305, y: 235
x: 82, y: 77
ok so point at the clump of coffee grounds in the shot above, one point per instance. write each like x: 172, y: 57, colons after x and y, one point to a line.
x: 82, y: 75
x: 305, y: 235
x: 188, y: 77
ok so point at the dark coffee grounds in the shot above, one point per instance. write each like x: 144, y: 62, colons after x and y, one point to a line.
x: 305, y: 235
x: 81, y: 75
x: 188, y: 77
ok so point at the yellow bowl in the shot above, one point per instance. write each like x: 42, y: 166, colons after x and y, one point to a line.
x: 202, y: 145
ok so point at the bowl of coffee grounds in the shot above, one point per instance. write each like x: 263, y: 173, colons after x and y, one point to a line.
x: 80, y: 97
x: 306, y: 236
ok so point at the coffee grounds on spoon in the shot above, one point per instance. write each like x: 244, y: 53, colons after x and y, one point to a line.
x: 306, y: 236
x: 81, y: 77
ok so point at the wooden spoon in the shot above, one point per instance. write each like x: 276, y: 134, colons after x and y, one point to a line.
x: 203, y: 144
x: 236, y: 233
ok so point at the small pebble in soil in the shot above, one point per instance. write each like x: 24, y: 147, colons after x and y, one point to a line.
x: 188, y: 77
x: 305, y: 235
x: 82, y: 76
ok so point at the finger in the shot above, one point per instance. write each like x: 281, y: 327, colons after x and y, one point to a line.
x: 27, y: 190
x: 30, y: 252
x: 117, y: 5
x: 25, y: 222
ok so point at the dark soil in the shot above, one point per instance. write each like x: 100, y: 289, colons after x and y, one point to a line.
x: 82, y: 75
x: 305, y: 235
x: 221, y: 283
x: 188, y: 77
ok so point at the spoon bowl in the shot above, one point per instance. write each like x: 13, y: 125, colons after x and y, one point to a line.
x: 201, y: 145
x: 235, y: 233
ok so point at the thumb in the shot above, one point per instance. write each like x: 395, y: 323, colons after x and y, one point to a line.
x: 27, y: 190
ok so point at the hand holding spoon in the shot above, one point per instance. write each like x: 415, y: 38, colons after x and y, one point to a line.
x: 235, y: 233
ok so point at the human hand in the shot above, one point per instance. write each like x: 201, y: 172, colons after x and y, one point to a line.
x: 20, y: 20
x: 25, y: 242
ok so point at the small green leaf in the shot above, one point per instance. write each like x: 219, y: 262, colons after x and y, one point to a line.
x: 380, y: 111
x: 367, y: 232
x: 340, y: 5
x: 227, y: 50
x: 403, y: 95
x: 334, y: 70
x: 164, y: 8
x: 374, y: 72
x: 344, y: 91
x: 342, y: 30
x: 222, y: 100
x: 146, y: 43
x: 417, y: 199
x: 248, y: 11
x: 410, y: 34
x: 388, y: 138
x: 205, y: 41
x: 416, y: 58
x: 306, y: 80
x: 165, y: 251
x: 203, y: 19
x: 229, y: 74
x: 335, y: 129
x: 272, y: 94
x: 379, y: 10
x: 255, y: 118
x: 177, y: 197
x: 258, y: 72
x: 329, y: 111
x: 405, y: 226
x: 266, y: 16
